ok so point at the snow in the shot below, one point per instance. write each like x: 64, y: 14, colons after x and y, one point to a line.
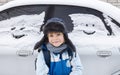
x: 22, y: 32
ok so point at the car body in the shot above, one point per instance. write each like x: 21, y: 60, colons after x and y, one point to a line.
x: 93, y: 26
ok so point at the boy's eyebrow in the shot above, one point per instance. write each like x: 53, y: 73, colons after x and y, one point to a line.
x: 55, y: 32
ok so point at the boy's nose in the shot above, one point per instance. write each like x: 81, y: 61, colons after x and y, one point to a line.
x: 55, y: 37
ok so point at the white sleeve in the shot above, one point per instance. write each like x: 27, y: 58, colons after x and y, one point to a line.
x: 76, y: 65
x: 41, y: 67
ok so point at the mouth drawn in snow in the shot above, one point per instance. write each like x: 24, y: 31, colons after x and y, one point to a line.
x: 18, y: 36
x: 88, y: 33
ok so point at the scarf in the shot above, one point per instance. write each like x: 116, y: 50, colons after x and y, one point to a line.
x: 54, y: 49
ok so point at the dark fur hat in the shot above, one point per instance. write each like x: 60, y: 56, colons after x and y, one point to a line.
x: 54, y: 25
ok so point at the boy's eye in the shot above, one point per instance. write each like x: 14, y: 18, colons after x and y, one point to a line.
x: 51, y: 35
x: 58, y: 34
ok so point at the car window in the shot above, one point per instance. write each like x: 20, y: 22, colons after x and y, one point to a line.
x: 67, y: 13
x: 22, y: 10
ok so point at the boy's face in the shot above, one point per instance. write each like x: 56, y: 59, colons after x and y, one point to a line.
x: 56, y: 38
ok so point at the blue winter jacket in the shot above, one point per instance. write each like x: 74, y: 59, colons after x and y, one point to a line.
x: 59, y: 65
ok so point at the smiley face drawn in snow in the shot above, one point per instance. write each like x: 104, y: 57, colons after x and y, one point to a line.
x: 22, y: 30
x: 89, y: 32
x: 87, y: 24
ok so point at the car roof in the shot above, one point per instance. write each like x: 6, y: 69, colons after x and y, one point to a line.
x: 106, y: 8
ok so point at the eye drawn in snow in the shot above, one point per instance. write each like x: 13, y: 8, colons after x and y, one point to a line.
x: 88, y: 24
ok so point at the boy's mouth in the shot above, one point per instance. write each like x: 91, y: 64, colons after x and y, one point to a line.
x: 56, y: 42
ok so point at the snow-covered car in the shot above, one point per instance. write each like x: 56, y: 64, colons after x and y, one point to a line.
x: 93, y: 26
